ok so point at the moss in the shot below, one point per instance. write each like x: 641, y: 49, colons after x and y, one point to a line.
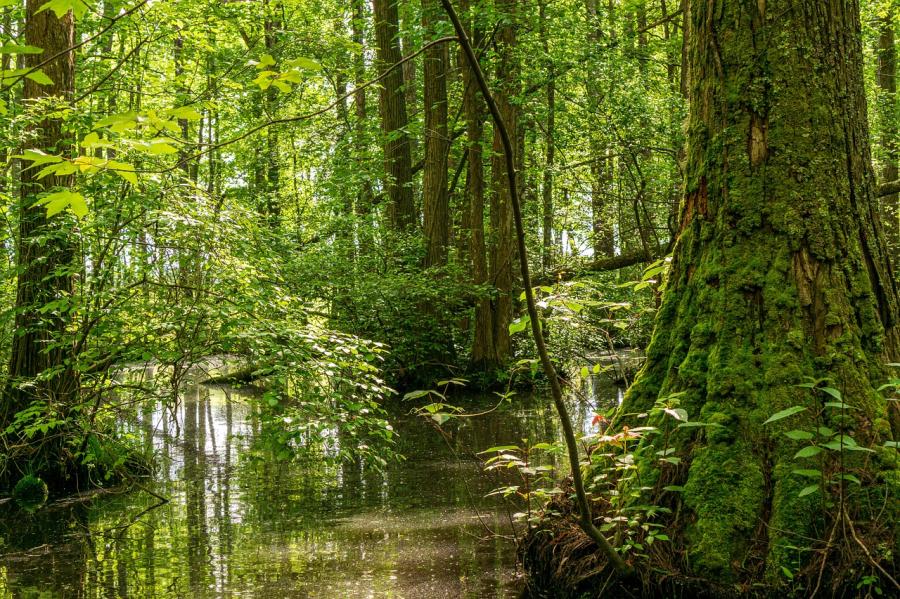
x: 30, y: 492
x: 726, y: 491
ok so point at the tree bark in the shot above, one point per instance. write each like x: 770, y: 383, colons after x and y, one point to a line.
x: 401, y: 209
x: 484, y: 357
x: 550, y: 142
x: 781, y: 272
x: 502, y: 252
x: 46, y: 250
x: 435, y: 201
x: 366, y: 196
x: 890, y: 128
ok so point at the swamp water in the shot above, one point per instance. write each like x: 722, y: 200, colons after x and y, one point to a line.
x: 280, y: 530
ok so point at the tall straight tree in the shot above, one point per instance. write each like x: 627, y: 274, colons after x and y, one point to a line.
x: 890, y: 128
x: 435, y: 201
x: 502, y: 251
x: 780, y: 272
x: 45, y: 248
x: 484, y: 354
x: 401, y: 207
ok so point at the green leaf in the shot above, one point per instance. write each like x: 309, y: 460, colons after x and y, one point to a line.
x: 585, y: 372
x: 17, y: 49
x: 810, y: 489
x: 849, y: 477
x: 520, y: 324
x: 40, y: 77
x: 304, y: 63
x: 3, y: 109
x: 673, y: 489
x: 117, y: 119
x: 894, y: 444
x: 799, y: 435
x: 61, y: 7
x: 415, y: 395
x: 59, y: 201
x: 184, y: 112
x: 785, y: 414
x: 502, y: 448
x: 808, y: 452
x: 832, y: 392
x: 124, y: 170
x: 808, y: 472
x: 38, y: 158
x: 78, y: 205
x: 839, y: 405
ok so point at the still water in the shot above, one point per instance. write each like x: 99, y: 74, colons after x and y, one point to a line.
x: 422, y: 529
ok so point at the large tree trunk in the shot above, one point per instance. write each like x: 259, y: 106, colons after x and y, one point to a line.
x: 501, y: 247
x: 890, y: 128
x: 401, y: 208
x: 781, y: 272
x: 45, y: 259
x: 435, y: 201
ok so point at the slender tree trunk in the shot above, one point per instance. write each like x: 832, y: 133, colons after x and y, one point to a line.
x: 46, y: 252
x: 273, y: 163
x: 550, y: 141
x: 780, y: 272
x: 502, y: 250
x: 366, y: 196
x: 484, y: 357
x: 435, y: 202
x: 602, y: 233
x: 890, y: 127
x: 401, y: 208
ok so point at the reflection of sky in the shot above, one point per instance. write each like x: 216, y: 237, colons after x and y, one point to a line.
x: 235, y: 529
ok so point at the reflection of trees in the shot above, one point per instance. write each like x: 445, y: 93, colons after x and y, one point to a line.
x: 43, y: 553
x: 288, y: 529
x: 195, y: 473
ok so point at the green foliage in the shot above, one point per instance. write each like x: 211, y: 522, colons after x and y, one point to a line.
x: 30, y: 492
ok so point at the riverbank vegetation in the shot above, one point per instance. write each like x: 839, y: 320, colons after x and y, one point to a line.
x: 350, y: 202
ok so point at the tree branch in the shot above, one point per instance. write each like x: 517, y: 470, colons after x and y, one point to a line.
x: 887, y: 189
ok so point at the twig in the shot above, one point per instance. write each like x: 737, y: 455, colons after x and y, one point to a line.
x: 866, y: 549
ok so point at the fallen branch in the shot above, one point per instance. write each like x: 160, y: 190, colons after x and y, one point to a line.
x: 601, y: 265
x: 887, y: 189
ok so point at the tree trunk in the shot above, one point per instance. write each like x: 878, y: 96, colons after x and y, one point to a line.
x: 549, y: 140
x: 365, y: 197
x: 890, y: 128
x: 401, y: 209
x: 273, y: 171
x: 781, y: 272
x: 435, y: 202
x: 502, y: 250
x: 484, y: 357
x: 46, y: 250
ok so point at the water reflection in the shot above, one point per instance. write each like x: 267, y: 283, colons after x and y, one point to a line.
x: 281, y: 530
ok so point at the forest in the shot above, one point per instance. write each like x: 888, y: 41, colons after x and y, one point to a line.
x: 449, y: 298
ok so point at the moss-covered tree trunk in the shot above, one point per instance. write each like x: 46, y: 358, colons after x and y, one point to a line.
x: 780, y: 272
